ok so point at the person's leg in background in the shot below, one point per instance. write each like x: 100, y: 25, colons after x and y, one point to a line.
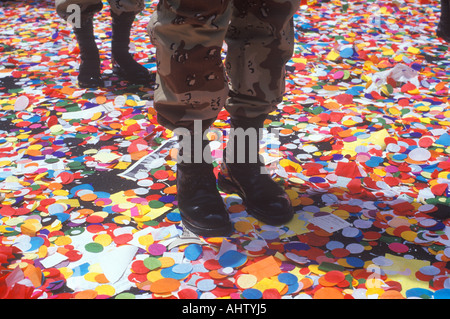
x: 192, y: 86
x: 89, y: 70
x: 260, y: 42
x: 123, y: 13
x: 443, y: 29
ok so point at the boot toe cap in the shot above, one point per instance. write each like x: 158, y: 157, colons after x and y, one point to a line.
x: 206, y: 221
x: 276, y: 212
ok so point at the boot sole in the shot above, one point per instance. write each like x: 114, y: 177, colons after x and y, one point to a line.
x: 122, y: 74
x: 84, y: 85
x: 207, y: 232
x: 94, y: 81
x: 229, y: 187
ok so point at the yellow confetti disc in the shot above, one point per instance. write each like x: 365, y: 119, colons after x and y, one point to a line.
x: 146, y: 240
x: 155, y: 275
x: 166, y: 262
x: 63, y: 240
x: 103, y: 239
x: 106, y: 290
x: 66, y: 272
x: 409, y: 236
x: 243, y: 226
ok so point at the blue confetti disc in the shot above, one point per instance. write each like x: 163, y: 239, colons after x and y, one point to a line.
x: 167, y: 199
x: 193, y: 252
x: 102, y: 194
x: 292, y: 288
x: 430, y: 270
x: 75, y: 189
x: 174, y: 217
x: 346, y: 53
x: 170, y: 273
x: 62, y: 217
x: 419, y: 293
x: 252, y: 293
x: 206, y: 285
x: 355, y: 262
x: 81, y: 270
x: 232, y: 258
x: 35, y: 243
x: 287, y: 278
x: 184, y: 268
x: 442, y: 294
x: 296, y: 246
x: 371, y: 163
x: 56, y: 208
x: 317, y: 179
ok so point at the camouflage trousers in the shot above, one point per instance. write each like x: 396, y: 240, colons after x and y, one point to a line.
x: 193, y: 83
x: 89, y: 7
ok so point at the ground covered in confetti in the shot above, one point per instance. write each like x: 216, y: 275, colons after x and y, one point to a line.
x: 362, y: 146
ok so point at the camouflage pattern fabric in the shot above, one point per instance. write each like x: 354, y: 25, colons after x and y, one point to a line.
x: 89, y: 7
x: 192, y: 81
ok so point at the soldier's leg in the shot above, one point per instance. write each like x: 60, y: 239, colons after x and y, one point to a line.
x: 123, y: 13
x: 191, y: 85
x: 68, y: 8
x: 260, y: 42
x: 443, y: 29
x: 83, y: 27
x: 191, y: 82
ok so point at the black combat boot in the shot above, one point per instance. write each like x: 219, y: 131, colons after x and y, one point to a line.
x: 201, y: 207
x: 123, y: 62
x: 89, y: 72
x: 246, y: 176
x: 443, y: 29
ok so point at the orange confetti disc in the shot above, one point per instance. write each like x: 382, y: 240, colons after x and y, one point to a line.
x: 325, y: 283
x: 214, y: 274
x: 171, y: 189
x: 328, y: 293
x: 88, y: 197
x: 307, y: 282
x: 440, y: 86
x: 392, y: 294
x: 54, y: 186
x: 101, y: 279
x: 165, y: 286
x: 86, y: 294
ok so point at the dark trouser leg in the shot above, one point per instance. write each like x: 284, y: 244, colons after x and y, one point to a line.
x: 443, y: 30
x: 260, y: 42
x: 80, y: 15
x: 123, y: 62
x: 89, y: 71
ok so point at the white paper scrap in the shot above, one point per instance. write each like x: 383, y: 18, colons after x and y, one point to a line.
x: 329, y: 222
x: 53, y: 260
x: 114, y: 262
